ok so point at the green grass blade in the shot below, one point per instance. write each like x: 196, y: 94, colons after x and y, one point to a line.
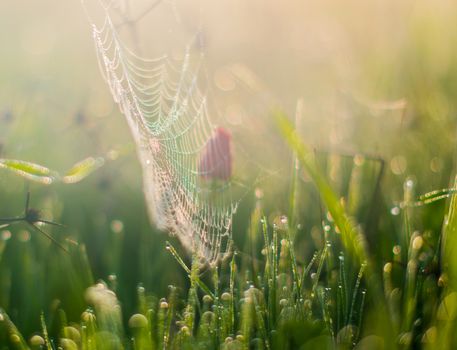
x: 82, y: 169
x: 350, y: 237
x: 9, y: 334
x: 29, y: 171
x: 45, y: 332
x: 449, y: 262
x: 197, y: 280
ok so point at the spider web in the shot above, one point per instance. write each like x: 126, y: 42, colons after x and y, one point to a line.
x: 165, y: 104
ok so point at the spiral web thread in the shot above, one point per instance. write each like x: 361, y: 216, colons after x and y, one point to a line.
x: 169, y: 118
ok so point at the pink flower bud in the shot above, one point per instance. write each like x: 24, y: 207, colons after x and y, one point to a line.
x: 216, y: 159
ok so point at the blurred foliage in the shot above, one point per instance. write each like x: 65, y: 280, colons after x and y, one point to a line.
x: 378, y: 84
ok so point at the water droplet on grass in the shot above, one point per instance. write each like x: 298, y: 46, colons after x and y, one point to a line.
x: 395, y: 211
x: 138, y: 321
x: 117, y: 226
x: 36, y: 341
x: 24, y: 236
x: 396, y: 250
x: 6, y: 235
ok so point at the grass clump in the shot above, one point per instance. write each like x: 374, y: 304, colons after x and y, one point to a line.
x: 271, y: 294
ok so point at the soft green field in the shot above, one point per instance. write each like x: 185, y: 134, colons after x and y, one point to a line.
x: 345, y: 230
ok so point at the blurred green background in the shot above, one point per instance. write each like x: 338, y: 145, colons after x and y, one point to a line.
x: 376, y: 78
